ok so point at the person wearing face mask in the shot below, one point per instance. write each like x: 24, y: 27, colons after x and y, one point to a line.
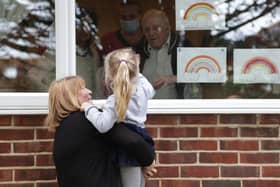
x: 128, y: 35
x: 159, y: 57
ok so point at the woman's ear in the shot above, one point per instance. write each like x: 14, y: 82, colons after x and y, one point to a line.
x: 137, y: 58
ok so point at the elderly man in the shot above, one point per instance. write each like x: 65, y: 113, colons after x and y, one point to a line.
x: 159, y: 58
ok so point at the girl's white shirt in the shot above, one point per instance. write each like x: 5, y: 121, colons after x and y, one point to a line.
x: 136, y: 112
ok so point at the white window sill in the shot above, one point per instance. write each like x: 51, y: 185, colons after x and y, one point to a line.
x: 37, y: 103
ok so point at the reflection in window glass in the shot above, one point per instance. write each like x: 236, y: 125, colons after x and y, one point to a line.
x: 87, y: 46
x: 27, y: 45
x: 152, y: 33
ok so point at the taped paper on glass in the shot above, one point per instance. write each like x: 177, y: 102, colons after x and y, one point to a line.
x: 199, y: 14
x: 256, y: 66
x: 201, y: 65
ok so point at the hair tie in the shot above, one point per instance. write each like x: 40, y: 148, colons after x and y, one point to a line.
x: 123, y: 61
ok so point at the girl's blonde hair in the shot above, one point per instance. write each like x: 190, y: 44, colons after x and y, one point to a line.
x: 63, y: 99
x: 121, y: 67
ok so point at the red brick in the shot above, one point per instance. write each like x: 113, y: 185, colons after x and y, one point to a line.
x: 271, y: 171
x: 259, y: 158
x: 35, y: 174
x: 152, y: 131
x: 221, y: 183
x: 166, y: 145
x: 47, y: 184
x: 32, y: 147
x: 198, y: 145
x: 240, y: 171
x: 152, y: 183
x: 215, y: 157
x: 5, y: 148
x: 29, y: 120
x: 44, y: 134
x: 270, y: 119
x: 198, y: 119
x: 180, y: 183
x: 259, y: 132
x: 178, y: 132
x: 44, y: 160
x: 238, y: 119
x: 10, y: 134
x: 219, y: 132
x: 270, y: 145
x: 18, y: 185
x: 261, y: 183
x: 163, y: 119
x: 5, y: 120
x: 242, y: 145
x: 9, y: 161
x: 167, y: 171
x: 200, y: 171
x: 6, y: 175
x: 176, y: 158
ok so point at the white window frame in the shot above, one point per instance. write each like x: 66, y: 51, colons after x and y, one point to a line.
x: 37, y: 103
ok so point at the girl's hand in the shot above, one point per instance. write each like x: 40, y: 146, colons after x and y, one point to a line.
x: 84, y: 105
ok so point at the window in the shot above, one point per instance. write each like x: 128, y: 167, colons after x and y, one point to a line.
x: 243, y: 28
x: 27, y: 55
x: 214, y: 31
x: 213, y: 94
x: 27, y: 45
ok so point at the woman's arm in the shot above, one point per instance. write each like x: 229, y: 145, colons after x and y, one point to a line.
x: 132, y: 143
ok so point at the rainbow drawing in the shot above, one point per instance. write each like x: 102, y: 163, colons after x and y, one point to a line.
x: 259, y: 63
x: 200, y: 11
x: 202, y: 63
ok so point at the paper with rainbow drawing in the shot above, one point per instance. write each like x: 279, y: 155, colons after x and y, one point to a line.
x: 199, y: 15
x: 256, y: 65
x: 201, y: 65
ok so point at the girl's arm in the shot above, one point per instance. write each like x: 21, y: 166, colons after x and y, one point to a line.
x: 147, y: 86
x: 132, y: 143
x: 103, y: 120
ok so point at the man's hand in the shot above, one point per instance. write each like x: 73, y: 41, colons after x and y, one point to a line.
x: 163, y: 81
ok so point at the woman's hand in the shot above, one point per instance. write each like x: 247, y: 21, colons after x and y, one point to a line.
x: 149, y: 171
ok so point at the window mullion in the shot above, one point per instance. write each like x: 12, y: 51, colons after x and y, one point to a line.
x: 65, y: 38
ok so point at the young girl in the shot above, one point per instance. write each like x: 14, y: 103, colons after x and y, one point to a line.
x: 131, y: 92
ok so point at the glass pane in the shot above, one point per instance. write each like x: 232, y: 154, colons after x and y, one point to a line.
x: 87, y: 46
x: 27, y: 45
x: 207, y: 26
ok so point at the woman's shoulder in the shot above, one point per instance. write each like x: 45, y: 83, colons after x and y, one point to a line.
x: 75, y: 118
x: 75, y: 115
x: 76, y: 122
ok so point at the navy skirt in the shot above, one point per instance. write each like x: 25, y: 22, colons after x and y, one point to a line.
x: 121, y: 158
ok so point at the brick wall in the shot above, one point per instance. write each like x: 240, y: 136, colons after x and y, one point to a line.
x: 192, y: 151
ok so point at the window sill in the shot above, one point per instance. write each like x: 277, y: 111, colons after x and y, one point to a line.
x: 37, y: 103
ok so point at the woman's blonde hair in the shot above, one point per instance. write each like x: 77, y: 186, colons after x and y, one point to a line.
x: 63, y: 99
x: 121, y: 67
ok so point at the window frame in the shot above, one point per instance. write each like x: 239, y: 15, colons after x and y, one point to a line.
x: 37, y: 103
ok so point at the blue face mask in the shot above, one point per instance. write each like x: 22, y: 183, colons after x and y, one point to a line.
x: 129, y: 26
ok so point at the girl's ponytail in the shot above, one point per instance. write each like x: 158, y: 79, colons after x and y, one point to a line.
x: 122, y: 89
